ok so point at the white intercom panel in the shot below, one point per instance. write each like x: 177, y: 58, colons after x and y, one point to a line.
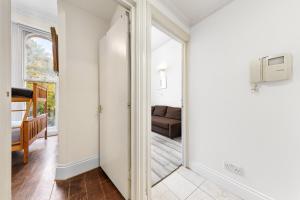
x: 271, y: 68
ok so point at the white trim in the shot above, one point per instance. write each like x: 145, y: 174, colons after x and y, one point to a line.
x: 176, y: 12
x: 185, y: 109
x: 228, y: 183
x: 65, y: 171
x: 177, y: 18
x: 137, y: 188
x: 162, y: 21
x: 148, y: 92
x: 139, y: 124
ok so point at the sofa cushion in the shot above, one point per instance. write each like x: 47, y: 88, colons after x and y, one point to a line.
x: 160, y: 111
x: 163, y: 122
x: 173, y: 113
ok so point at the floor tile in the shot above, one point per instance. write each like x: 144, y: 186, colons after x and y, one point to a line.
x: 199, y: 195
x: 216, y: 192
x: 181, y: 187
x: 169, y: 196
x: 191, y: 176
x: 159, y: 190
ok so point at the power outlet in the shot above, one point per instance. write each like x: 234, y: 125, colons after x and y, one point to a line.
x: 234, y: 169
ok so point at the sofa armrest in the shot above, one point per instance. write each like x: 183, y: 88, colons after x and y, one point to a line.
x: 175, y: 130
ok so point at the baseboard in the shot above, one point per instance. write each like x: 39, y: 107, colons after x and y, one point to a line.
x: 69, y: 170
x: 244, y: 191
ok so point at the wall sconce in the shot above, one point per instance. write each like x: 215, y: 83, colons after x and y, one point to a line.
x: 163, y: 79
x: 162, y: 66
x: 163, y: 75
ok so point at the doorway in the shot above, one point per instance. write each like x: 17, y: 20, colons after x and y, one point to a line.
x: 166, y: 144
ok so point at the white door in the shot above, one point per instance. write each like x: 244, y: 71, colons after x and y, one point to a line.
x: 115, y: 100
x: 5, y: 87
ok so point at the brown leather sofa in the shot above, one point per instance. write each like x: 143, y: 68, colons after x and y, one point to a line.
x: 166, y: 121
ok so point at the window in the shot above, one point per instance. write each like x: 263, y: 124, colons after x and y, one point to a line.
x: 38, y: 67
x: 38, y: 60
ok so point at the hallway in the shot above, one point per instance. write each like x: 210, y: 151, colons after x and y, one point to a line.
x: 35, y: 181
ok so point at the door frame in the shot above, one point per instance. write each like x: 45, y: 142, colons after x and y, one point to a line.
x: 166, y: 25
x: 5, y: 100
x: 138, y: 44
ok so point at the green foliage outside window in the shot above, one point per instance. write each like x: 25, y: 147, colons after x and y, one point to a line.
x: 38, y: 60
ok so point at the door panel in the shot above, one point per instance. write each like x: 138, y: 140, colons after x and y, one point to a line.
x: 114, y: 101
x: 5, y: 88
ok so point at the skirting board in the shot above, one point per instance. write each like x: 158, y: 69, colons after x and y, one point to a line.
x: 228, y: 183
x: 66, y: 171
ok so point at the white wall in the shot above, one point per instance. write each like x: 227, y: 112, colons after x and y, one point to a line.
x: 79, y: 35
x: 170, y: 53
x: 259, y: 132
x: 5, y: 137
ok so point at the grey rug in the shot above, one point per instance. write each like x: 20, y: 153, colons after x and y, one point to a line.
x: 166, y: 156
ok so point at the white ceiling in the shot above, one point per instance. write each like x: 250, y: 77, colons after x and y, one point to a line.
x: 158, y: 38
x: 48, y: 8
x: 41, y: 8
x: 189, y: 11
x: 101, y: 8
x: 193, y: 11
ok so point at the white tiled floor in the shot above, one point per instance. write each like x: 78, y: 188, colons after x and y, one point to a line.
x: 184, y: 184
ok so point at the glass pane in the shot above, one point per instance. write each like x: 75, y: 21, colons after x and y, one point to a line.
x: 38, y: 60
x: 50, y: 101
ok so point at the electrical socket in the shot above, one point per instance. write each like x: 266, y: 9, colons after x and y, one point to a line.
x: 234, y: 169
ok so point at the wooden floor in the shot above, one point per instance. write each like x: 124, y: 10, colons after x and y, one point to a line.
x: 35, y: 181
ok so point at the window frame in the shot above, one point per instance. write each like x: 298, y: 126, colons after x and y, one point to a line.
x: 26, y: 33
